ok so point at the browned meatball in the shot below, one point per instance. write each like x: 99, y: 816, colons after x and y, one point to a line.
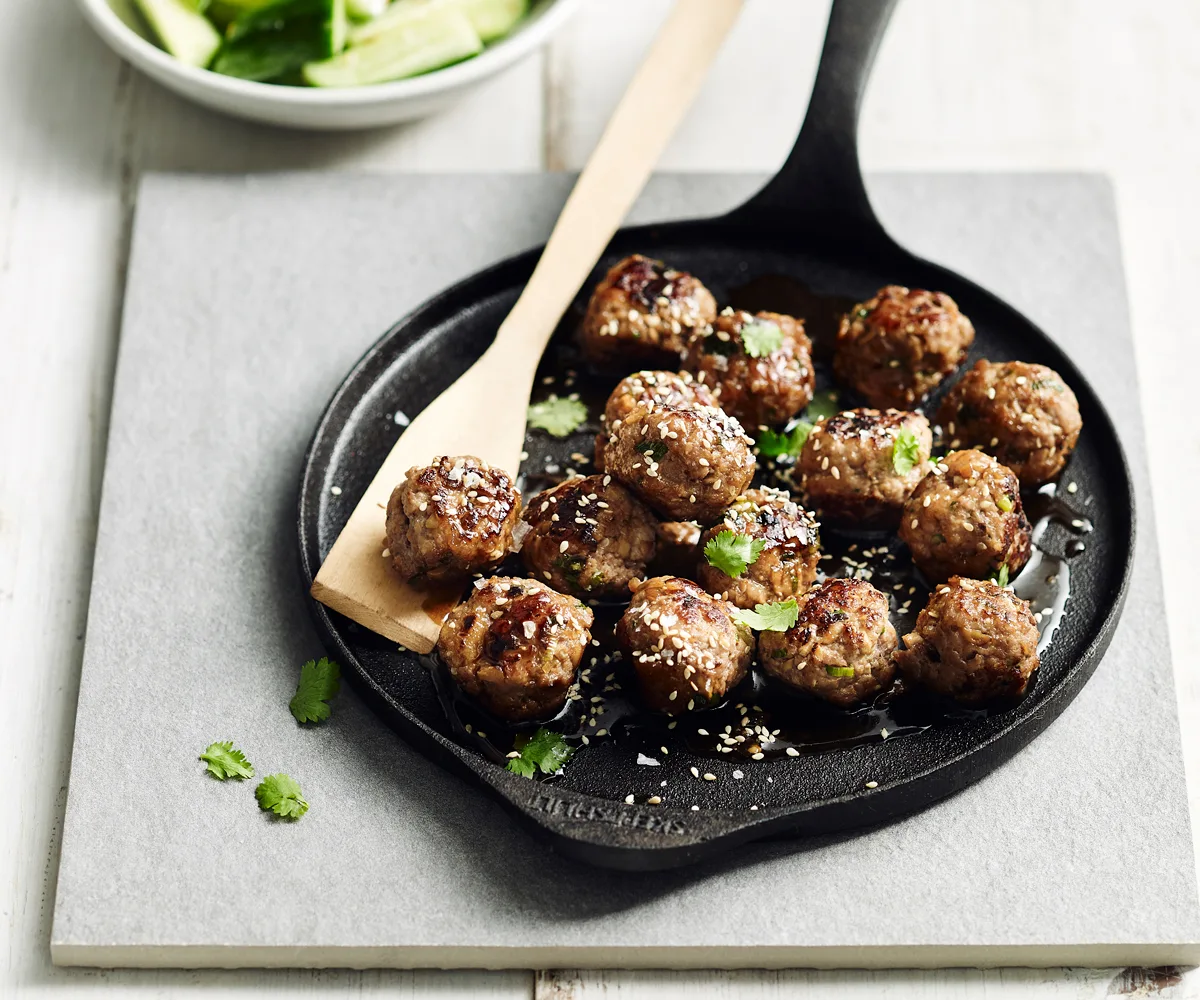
x: 451, y: 519
x: 684, y: 645
x: 974, y: 641
x: 688, y: 462
x: 514, y: 645
x: 760, y: 365
x: 859, y: 466
x: 897, y: 346
x: 840, y: 648
x: 653, y: 389
x: 643, y: 314
x: 1025, y: 415
x: 589, y: 537
x: 787, y: 562
x: 677, y: 549
x: 965, y: 518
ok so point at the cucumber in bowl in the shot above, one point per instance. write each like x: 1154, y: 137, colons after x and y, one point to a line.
x: 328, y: 43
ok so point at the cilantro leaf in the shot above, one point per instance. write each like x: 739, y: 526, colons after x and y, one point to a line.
x: 224, y: 761
x: 777, y: 617
x: 546, y: 751
x: 558, y: 416
x: 824, y: 404
x: 731, y: 553
x: 653, y: 450
x: 760, y: 337
x: 280, y: 794
x: 906, y: 451
x: 319, y: 681
x: 773, y: 444
x: 1000, y: 577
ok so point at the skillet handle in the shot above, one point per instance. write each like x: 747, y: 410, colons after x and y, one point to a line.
x: 820, y: 186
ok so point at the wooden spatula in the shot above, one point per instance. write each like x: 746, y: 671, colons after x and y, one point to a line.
x: 483, y: 413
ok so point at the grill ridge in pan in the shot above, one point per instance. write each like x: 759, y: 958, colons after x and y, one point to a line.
x: 812, y: 224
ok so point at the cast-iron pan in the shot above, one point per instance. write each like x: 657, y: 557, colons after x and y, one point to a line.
x: 812, y: 225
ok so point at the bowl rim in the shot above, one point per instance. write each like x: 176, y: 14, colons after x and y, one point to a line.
x: 148, y: 56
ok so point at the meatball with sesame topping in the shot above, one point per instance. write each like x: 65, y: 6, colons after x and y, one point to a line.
x: 974, y: 642
x: 653, y: 389
x: 1025, y: 415
x: 589, y: 537
x: 684, y: 645
x: 896, y: 347
x: 965, y: 518
x: 450, y: 519
x: 643, y: 314
x: 514, y: 645
x: 859, y: 466
x: 841, y: 647
x: 760, y: 365
x: 688, y: 462
x: 786, y: 563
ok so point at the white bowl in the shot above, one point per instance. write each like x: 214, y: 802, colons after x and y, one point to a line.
x: 311, y: 107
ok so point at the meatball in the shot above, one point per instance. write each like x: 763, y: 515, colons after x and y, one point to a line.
x: 589, y: 537
x: 688, y: 462
x: 786, y: 564
x: 514, y: 645
x: 760, y: 365
x: 896, y: 347
x: 841, y: 647
x: 451, y: 519
x: 643, y: 314
x: 1025, y: 415
x: 965, y: 518
x: 653, y: 389
x: 974, y: 641
x: 677, y: 549
x: 858, y: 467
x: 684, y: 645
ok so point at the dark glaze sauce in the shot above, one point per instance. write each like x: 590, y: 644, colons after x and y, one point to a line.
x: 760, y: 720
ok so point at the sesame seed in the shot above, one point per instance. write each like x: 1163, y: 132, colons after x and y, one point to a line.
x: 629, y: 799
x: 872, y: 784
x: 709, y: 776
x: 793, y: 752
x: 653, y: 800
x: 695, y: 772
x: 335, y: 490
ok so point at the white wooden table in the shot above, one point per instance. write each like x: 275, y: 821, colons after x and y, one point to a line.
x: 1107, y: 85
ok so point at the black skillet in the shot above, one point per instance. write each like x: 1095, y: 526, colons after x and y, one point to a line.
x: 811, y: 225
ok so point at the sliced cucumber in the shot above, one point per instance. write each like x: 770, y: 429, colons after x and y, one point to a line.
x: 270, y: 55
x: 491, y: 19
x: 413, y: 46
x: 272, y: 42
x: 185, y: 33
x: 337, y: 28
x: 364, y: 10
x: 494, y: 19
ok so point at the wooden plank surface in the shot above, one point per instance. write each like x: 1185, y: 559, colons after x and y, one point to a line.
x: 991, y: 84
